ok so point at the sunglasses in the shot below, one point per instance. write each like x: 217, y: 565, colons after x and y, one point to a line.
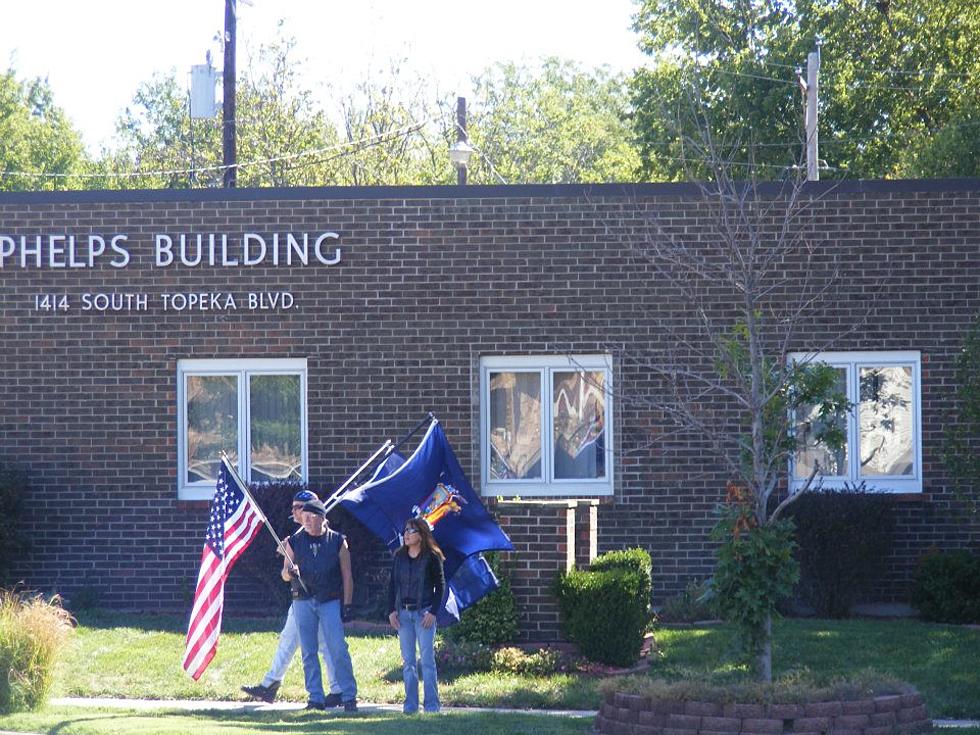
x: 411, y: 530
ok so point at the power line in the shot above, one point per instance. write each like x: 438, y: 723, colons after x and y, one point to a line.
x: 373, y: 140
x: 907, y: 72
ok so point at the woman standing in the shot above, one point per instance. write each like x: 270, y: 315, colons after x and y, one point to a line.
x: 414, y: 598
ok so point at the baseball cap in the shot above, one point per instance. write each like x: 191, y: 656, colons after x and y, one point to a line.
x: 305, y: 496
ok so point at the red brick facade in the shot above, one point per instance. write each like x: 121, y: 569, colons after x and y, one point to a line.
x: 430, y: 281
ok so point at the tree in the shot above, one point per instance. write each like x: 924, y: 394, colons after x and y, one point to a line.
x: 746, y: 287
x: 553, y: 124
x: 397, y: 131
x: 894, y: 73
x: 39, y: 148
x: 283, y: 138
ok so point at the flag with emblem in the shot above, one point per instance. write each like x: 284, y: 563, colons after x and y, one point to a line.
x: 431, y: 485
x: 233, y: 523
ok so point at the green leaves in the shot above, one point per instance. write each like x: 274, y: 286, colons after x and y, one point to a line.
x: 556, y: 123
x: 755, y: 571
x: 36, y: 138
x: 895, y: 87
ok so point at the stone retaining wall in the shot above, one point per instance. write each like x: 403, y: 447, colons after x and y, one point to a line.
x: 631, y: 714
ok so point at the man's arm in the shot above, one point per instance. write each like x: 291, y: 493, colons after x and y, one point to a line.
x: 288, y: 568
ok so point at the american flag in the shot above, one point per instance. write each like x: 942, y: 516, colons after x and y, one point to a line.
x: 234, y: 522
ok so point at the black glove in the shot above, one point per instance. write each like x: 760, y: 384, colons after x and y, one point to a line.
x: 347, y: 613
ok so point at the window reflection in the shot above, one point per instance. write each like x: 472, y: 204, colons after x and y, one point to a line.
x: 212, y: 424
x: 579, y: 409
x: 886, y: 421
x: 814, y: 454
x: 515, y: 426
x: 275, y: 428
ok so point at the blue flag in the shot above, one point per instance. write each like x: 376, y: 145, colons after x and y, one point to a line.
x: 431, y: 485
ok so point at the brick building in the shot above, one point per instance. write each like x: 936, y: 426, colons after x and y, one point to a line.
x: 140, y: 331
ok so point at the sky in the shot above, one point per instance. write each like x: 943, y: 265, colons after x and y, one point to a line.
x: 96, y: 53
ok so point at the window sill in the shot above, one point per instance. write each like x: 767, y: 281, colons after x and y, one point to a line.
x: 547, y: 494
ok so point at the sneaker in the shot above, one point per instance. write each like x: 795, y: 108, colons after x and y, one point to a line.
x: 350, y: 705
x: 315, y: 705
x: 334, y: 699
x: 265, y: 693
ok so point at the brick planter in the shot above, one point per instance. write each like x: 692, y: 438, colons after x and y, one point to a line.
x: 633, y: 714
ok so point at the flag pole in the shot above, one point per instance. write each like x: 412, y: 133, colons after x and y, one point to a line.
x: 387, y: 448
x: 258, y: 510
x: 428, y: 417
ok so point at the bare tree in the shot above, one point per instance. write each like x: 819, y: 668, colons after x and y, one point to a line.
x: 749, y: 282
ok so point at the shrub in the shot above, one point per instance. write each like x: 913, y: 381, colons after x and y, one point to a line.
x: 542, y: 662
x: 793, y: 687
x: 260, y: 562
x: 493, y: 619
x: 13, y: 489
x: 453, y: 656
x: 946, y: 588
x: 605, y: 612
x: 32, y: 632
x: 689, y: 606
x: 843, y: 537
x: 961, y: 441
x: 636, y: 559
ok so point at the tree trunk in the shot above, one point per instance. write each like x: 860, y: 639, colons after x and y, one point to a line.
x: 764, y: 660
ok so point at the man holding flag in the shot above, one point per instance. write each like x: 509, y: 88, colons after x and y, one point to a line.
x: 319, y: 557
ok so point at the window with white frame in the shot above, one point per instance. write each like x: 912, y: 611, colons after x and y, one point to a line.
x: 546, y: 425
x: 883, y: 429
x: 253, y: 410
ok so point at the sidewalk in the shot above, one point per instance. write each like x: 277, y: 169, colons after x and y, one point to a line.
x: 199, y: 705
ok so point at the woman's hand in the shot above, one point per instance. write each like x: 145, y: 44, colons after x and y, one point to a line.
x: 428, y: 620
x: 393, y: 619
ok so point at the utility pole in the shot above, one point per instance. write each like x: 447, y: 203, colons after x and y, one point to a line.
x: 461, y: 136
x: 229, y: 158
x: 811, y: 89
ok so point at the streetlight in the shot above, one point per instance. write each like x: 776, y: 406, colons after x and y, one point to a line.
x: 460, y: 151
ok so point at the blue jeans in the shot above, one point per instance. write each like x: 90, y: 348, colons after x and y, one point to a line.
x: 321, y: 620
x: 288, y: 645
x: 410, y: 634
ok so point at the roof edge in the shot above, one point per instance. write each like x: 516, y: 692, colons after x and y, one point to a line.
x: 501, y: 191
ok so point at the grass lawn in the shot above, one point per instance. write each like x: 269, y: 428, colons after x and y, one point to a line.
x: 139, y: 657
x: 87, y: 721
x: 942, y: 661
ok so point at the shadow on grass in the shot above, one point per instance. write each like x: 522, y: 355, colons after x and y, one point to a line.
x: 59, y: 721
x: 446, y: 676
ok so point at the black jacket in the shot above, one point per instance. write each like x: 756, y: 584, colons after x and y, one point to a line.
x: 430, y: 586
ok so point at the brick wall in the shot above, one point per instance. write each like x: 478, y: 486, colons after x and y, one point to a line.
x: 431, y: 280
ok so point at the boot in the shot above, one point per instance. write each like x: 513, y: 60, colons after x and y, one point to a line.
x: 265, y: 693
